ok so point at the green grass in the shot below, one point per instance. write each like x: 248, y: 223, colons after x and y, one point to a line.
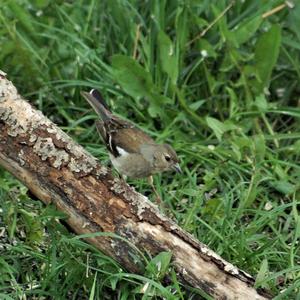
x: 228, y: 102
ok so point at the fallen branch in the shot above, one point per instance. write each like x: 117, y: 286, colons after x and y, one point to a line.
x: 58, y: 170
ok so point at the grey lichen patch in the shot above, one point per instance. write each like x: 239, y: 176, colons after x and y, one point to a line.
x: 15, y: 128
x: 73, y: 166
x: 7, y: 91
x: 45, y: 148
x: 3, y: 74
x: 51, y: 129
x: 102, y: 171
x: 33, y: 138
x: 231, y: 269
x: 173, y: 227
x: 205, y: 250
x: 18, y: 115
x: 117, y: 186
x: 21, y: 118
x: 69, y: 146
x: 127, y: 229
x: 86, y: 225
x: 17, y: 123
x: 125, y: 251
x: 115, y: 245
x: 228, y: 267
x: 76, y: 150
x: 21, y: 157
x: 62, y: 136
x: 144, y: 205
x: 59, y: 135
x: 5, y: 113
x: 139, y: 203
x: 2, y: 95
x: 82, y: 164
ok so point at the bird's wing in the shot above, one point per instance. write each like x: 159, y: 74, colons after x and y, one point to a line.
x: 115, y: 132
x: 96, y: 101
x: 101, y: 130
x: 120, y: 135
x: 130, y: 139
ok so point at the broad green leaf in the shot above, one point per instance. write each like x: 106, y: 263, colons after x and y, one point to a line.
x: 113, y: 282
x: 132, y: 77
x: 122, y: 16
x: 261, y: 103
x: 190, y: 192
x: 40, y: 3
x: 243, y: 142
x: 92, y: 292
x: 239, y: 144
x: 206, y: 49
x: 280, y: 172
x: 219, y: 127
x: 259, y: 148
x: 246, y: 30
x: 159, y: 265
x: 211, y: 207
x: 263, y: 272
x: 266, y: 54
x: 200, y: 22
x: 3, y: 296
x: 294, y: 20
x: 196, y: 105
x: 23, y: 16
x: 231, y: 57
x: 34, y: 228
x: 210, y: 79
x: 182, y: 27
x: 156, y: 103
x: 296, y: 147
x: 168, y: 58
x: 227, y: 35
x: 137, y: 82
x: 291, y: 43
x: 284, y: 187
x: 233, y: 101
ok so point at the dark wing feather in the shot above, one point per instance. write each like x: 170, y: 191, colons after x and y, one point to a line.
x: 106, y: 137
x: 97, y: 95
x: 114, y: 131
x: 120, y: 133
x: 130, y: 139
x: 101, y: 130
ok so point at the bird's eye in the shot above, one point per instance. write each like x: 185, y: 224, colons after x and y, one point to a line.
x: 168, y: 158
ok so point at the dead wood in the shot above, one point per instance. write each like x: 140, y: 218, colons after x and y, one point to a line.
x: 58, y: 170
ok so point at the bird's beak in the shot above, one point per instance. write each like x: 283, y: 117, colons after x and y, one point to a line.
x: 177, y: 168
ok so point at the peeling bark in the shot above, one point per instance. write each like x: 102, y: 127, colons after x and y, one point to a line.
x: 58, y: 170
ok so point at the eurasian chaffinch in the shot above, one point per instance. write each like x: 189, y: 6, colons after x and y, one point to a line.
x: 132, y: 152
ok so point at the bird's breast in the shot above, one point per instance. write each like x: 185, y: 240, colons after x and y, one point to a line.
x: 132, y: 165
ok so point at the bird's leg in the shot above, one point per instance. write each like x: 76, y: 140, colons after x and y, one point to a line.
x: 158, y: 199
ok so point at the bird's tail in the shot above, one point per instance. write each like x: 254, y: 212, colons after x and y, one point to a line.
x: 95, y: 99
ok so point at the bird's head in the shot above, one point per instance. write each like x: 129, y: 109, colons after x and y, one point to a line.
x: 165, y: 159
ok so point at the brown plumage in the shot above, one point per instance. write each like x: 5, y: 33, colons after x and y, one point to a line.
x: 132, y: 152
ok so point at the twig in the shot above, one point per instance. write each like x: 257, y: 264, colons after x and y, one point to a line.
x: 136, y: 40
x: 277, y: 9
x: 202, y: 33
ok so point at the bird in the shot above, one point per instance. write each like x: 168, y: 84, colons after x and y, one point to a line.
x: 132, y: 152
